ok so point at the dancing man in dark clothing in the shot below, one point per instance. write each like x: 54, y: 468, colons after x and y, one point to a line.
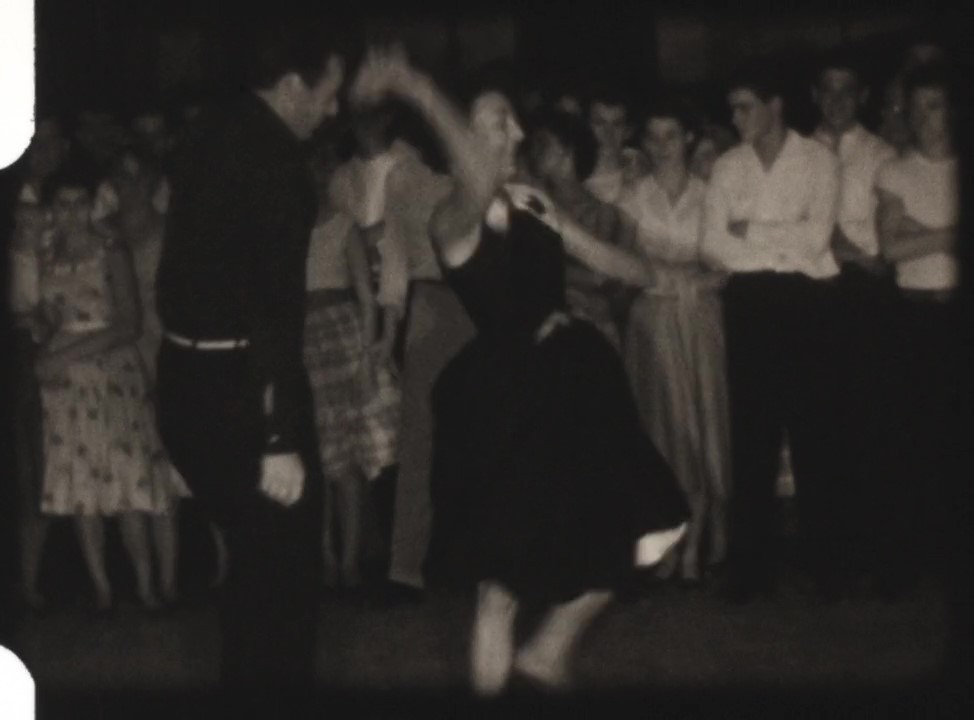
x: 235, y: 409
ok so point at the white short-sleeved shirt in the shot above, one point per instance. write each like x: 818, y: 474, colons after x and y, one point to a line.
x: 929, y: 191
x: 860, y: 155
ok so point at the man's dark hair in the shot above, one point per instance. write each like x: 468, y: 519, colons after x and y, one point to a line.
x: 574, y: 135
x: 933, y: 74
x: 270, y: 48
x: 672, y: 107
x: 843, y: 59
x: 762, y: 77
x: 606, y: 90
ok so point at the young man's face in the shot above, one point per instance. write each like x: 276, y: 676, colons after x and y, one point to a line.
x: 928, y: 115
x: 610, y: 125
x: 752, y: 117
x: 839, y: 97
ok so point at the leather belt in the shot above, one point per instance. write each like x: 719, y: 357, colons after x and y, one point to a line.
x: 205, y: 345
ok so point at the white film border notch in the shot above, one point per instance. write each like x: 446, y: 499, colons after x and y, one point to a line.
x: 17, y: 690
x: 16, y: 78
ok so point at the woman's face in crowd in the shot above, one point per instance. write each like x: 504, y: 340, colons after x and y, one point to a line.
x: 549, y: 159
x: 610, y: 126
x: 928, y: 115
x: 71, y: 209
x: 665, y: 140
x: 704, y: 157
x: 493, y: 120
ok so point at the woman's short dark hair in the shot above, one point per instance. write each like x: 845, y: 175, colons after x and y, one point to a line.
x: 845, y: 60
x: 497, y: 76
x: 383, y: 119
x: 75, y: 172
x: 574, y: 134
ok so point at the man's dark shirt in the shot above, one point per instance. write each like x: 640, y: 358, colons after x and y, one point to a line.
x: 233, y: 262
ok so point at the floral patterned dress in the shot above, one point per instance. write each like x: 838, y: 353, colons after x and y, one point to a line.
x: 101, y: 455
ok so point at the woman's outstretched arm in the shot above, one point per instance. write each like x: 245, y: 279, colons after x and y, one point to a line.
x: 475, y: 170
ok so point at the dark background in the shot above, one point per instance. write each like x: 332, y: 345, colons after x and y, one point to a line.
x: 126, y: 56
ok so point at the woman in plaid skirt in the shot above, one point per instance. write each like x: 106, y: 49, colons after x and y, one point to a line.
x: 355, y: 390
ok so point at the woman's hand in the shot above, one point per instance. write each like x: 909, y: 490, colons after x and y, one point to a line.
x: 385, y: 71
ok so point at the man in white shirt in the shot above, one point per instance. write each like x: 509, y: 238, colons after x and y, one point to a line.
x: 919, y: 208
x: 769, y: 214
x: 840, y: 94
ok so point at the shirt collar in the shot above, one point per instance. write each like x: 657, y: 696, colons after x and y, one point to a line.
x: 788, y: 148
x: 656, y: 189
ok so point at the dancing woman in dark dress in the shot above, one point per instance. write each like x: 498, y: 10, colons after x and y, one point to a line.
x: 545, y: 485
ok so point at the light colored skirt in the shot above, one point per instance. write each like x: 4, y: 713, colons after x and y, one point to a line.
x: 675, y: 357
x: 102, y: 454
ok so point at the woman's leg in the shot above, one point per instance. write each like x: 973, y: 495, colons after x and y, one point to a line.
x: 690, y: 557
x: 91, y: 533
x: 328, y: 554
x: 546, y: 656
x: 33, y: 533
x: 492, y: 646
x: 136, y: 542
x: 349, y: 494
x: 165, y: 535
x: 718, y: 531
x: 222, y: 557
